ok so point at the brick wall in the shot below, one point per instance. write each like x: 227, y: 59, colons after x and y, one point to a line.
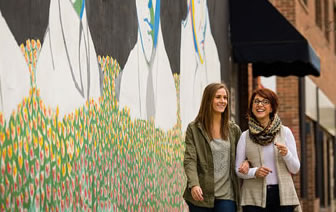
x: 305, y: 23
x: 287, y: 9
x: 302, y: 16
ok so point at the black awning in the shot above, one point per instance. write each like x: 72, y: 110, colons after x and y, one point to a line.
x: 261, y: 35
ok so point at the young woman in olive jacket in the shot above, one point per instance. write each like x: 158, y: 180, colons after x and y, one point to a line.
x: 209, y: 158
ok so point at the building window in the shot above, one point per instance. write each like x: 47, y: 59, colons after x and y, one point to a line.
x: 319, y: 167
x: 328, y: 151
x: 323, y: 142
x: 306, y: 157
x: 327, y: 25
x: 318, y: 13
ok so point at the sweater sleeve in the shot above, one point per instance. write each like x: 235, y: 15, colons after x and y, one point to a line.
x: 291, y: 158
x: 240, y: 157
x: 190, y: 160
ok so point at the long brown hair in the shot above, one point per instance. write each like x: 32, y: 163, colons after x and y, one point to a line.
x: 205, y: 112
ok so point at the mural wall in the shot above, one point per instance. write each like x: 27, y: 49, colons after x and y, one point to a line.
x: 95, y: 97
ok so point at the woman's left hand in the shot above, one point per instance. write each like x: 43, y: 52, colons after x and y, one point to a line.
x: 283, y: 150
x: 244, y: 167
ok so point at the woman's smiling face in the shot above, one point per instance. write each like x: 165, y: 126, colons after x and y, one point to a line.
x: 261, y: 109
x: 220, y: 101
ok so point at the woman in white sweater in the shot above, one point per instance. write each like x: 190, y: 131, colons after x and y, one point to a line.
x: 270, y: 148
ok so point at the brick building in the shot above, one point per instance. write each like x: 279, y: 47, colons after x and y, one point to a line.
x: 307, y: 102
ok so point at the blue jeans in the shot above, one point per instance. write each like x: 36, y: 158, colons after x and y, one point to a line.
x: 220, y: 205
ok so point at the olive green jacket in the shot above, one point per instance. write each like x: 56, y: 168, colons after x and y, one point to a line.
x: 199, y: 166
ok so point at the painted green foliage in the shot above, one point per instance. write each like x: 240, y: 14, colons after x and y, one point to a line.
x: 95, y: 158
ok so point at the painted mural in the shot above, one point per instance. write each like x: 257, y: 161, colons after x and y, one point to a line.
x: 153, y: 93
x: 78, y: 132
x: 14, y: 74
x: 67, y: 70
x: 199, y: 59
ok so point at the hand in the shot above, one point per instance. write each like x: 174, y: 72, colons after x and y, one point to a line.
x: 244, y: 167
x: 262, y: 172
x: 197, y: 193
x: 283, y: 150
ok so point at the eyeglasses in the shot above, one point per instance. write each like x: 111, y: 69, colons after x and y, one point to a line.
x: 263, y: 102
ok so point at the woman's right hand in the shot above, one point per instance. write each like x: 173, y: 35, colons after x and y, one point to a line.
x: 197, y: 193
x: 262, y: 171
x: 244, y: 167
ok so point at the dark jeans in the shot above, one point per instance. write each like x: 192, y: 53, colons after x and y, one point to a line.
x: 220, y: 205
x: 272, y: 202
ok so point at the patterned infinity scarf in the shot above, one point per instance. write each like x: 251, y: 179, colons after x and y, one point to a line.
x: 261, y: 135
